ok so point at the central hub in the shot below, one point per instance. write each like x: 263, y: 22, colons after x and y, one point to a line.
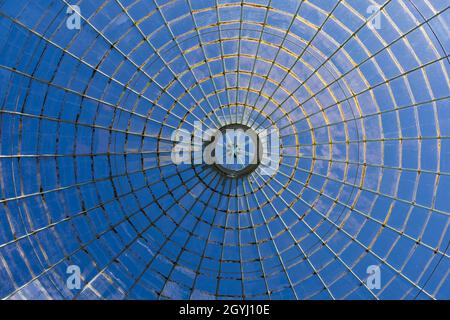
x: 238, y: 150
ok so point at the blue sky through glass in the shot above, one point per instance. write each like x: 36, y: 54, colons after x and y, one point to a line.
x: 86, y: 176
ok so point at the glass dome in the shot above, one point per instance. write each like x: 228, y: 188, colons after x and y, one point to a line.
x: 93, y: 91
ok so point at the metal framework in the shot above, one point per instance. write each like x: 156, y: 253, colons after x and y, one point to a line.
x: 86, y: 176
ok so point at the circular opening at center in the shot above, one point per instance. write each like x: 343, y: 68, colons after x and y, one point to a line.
x: 238, y: 150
